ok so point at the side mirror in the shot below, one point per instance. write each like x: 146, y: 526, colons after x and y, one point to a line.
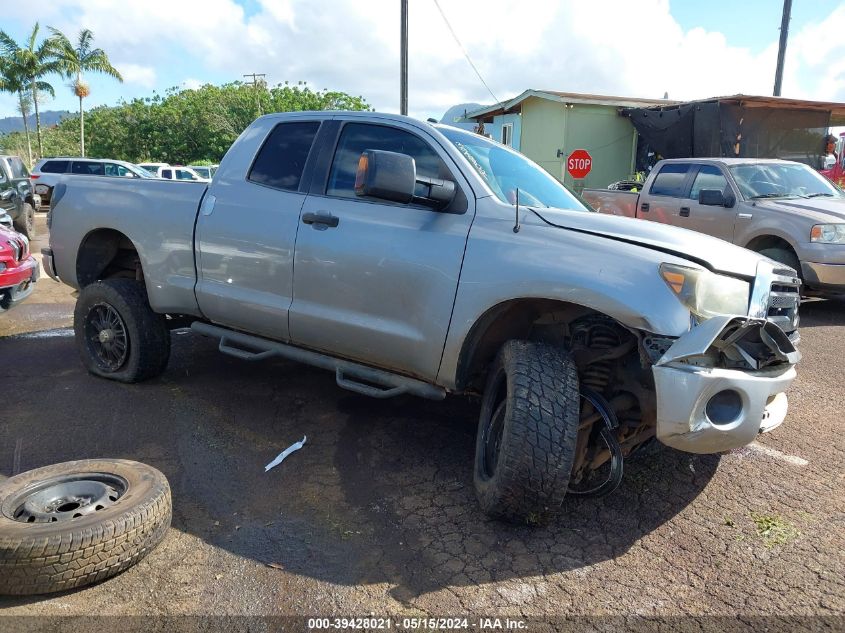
x: 386, y: 175
x: 393, y: 176
x: 711, y: 198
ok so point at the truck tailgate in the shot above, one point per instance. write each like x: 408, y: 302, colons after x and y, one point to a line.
x: 612, y: 202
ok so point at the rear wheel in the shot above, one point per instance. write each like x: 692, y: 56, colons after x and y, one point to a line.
x: 118, y: 335
x: 527, y: 432
x: 25, y: 224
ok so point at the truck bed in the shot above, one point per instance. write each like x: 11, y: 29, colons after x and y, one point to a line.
x: 157, y: 216
x: 612, y: 202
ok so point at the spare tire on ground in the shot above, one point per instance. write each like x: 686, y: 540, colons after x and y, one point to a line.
x: 72, y: 524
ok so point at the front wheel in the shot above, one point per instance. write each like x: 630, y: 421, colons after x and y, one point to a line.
x: 527, y: 432
x: 118, y: 335
x: 25, y: 224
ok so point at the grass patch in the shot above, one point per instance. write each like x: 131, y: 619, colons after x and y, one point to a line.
x: 773, y: 530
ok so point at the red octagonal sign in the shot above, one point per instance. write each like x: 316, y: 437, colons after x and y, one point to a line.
x: 579, y: 163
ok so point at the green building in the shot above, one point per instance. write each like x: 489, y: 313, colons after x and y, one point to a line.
x: 548, y: 126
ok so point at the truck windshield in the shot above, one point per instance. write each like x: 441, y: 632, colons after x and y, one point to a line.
x: 782, y: 180
x: 505, y: 170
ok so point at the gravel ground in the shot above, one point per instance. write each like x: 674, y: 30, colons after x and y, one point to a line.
x: 376, y: 514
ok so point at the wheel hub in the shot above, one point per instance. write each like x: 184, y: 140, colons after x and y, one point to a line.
x: 107, y: 337
x: 68, y: 498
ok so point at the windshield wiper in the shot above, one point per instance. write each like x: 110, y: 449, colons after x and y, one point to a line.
x: 769, y: 195
x: 816, y: 195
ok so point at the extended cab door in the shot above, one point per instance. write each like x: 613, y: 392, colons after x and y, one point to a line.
x: 661, y: 201
x: 246, y: 230
x: 375, y: 281
x: 717, y: 221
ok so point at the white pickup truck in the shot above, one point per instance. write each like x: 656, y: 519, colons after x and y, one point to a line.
x: 410, y: 258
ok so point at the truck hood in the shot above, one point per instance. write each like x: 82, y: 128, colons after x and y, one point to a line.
x: 710, y: 252
x: 819, y: 210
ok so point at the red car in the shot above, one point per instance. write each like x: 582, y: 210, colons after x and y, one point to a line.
x: 18, y: 269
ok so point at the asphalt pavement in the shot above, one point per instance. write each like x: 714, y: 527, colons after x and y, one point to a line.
x: 376, y: 513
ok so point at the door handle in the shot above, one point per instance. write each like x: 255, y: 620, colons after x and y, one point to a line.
x: 644, y: 207
x: 320, y: 218
x: 684, y: 212
x: 744, y: 216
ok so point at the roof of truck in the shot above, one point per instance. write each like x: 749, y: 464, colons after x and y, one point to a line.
x: 727, y: 161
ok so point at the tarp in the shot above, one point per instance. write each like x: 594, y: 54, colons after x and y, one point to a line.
x: 731, y: 129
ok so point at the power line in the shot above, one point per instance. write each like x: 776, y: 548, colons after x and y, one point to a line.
x: 458, y: 41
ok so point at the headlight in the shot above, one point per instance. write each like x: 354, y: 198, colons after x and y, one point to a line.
x: 704, y: 293
x: 828, y: 233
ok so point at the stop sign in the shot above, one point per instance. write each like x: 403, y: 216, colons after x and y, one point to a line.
x: 579, y: 163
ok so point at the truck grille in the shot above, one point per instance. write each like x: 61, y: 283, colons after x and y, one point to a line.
x: 783, y: 306
x: 776, y: 296
x: 17, y: 249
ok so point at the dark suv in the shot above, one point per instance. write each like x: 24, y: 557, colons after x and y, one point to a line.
x: 16, y: 196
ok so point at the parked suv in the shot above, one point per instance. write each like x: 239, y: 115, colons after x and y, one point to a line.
x: 17, y: 200
x: 47, y: 171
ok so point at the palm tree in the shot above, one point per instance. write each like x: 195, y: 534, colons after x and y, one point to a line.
x: 73, y: 60
x: 35, y: 61
x: 13, y: 82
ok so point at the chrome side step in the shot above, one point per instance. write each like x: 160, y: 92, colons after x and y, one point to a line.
x: 367, y: 381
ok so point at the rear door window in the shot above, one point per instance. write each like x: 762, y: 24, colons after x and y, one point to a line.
x: 54, y: 167
x: 167, y: 173
x: 87, y: 168
x: 281, y: 160
x: 670, y: 180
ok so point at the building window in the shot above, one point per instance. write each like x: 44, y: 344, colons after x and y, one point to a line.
x: 507, y: 134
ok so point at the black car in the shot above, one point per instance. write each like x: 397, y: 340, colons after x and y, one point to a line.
x: 16, y: 196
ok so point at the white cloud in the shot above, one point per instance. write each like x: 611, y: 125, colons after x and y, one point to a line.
x: 144, y: 76
x: 193, y: 84
x: 599, y: 46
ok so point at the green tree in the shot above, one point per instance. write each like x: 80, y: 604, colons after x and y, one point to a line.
x: 12, y: 81
x: 74, y: 59
x: 35, y: 61
x: 182, y: 125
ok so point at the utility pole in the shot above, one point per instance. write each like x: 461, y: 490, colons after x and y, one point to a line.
x: 255, y: 77
x: 784, y: 33
x: 403, y: 59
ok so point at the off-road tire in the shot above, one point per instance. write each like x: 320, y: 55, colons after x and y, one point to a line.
x: 147, y: 332
x: 38, y: 558
x: 537, y: 384
x: 25, y: 224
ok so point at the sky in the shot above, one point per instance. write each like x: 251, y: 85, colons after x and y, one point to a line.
x: 687, y: 48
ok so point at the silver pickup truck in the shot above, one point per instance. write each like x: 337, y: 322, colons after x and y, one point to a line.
x: 778, y: 208
x: 411, y: 258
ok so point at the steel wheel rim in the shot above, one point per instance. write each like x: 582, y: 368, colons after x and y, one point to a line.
x: 67, y: 497
x: 106, y: 337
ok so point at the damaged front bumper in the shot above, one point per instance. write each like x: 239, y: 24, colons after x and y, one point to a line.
x: 723, y: 383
